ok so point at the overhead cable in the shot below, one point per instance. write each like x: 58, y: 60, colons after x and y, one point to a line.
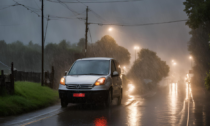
x: 118, y: 1
x: 62, y: 3
x: 141, y: 24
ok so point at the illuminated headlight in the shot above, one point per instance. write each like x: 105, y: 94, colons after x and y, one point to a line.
x: 62, y: 81
x: 100, y: 81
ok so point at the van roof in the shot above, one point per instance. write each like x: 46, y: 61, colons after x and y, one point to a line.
x: 96, y: 58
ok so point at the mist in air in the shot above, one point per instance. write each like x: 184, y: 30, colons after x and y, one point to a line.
x: 169, y: 41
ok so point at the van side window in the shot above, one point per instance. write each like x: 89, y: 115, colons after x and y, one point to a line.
x: 113, y: 68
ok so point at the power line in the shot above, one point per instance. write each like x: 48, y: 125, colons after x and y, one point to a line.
x: 97, y: 15
x: 8, y: 6
x: 46, y: 28
x: 33, y: 10
x: 37, y: 4
x: 141, y: 24
x: 63, y: 4
x: 124, y: 1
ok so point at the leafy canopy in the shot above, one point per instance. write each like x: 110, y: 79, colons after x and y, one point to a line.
x: 198, y: 12
x: 148, y: 66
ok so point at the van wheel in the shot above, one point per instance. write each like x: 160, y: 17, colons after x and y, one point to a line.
x: 108, y: 102
x: 64, y: 103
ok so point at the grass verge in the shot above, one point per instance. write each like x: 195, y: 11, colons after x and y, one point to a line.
x: 28, y: 96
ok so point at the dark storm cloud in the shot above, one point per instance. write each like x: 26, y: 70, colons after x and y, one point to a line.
x: 168, y: 40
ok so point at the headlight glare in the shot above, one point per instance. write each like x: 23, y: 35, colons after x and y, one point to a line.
x: 62, y: 81
x: 100, y: 81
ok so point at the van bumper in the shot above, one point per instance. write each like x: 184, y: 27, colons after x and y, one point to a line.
x: 90, y: 96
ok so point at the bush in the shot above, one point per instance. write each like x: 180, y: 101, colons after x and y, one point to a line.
x: 207, y: 81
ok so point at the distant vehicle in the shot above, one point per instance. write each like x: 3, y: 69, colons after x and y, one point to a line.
x: 91, y: 80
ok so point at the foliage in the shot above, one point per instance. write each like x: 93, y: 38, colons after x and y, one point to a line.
x: 199, y: 49
x: 60, y: 55
x: 28, y: 96
x: 207, y: 81
x: 108, y: 47
x: 198, y: 12
x: 148, y: 66
x: 25, y: 58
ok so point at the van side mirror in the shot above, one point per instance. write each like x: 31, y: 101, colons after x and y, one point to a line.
x: 115, y: 73
x: 66, y: 72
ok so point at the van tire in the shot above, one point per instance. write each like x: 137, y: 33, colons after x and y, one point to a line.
x: 108, y: 101
x: 64, y: 103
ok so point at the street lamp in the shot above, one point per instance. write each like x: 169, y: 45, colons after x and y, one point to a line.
x: 173, y: 62
x: 110, y: 29
x: 191, y: 58
x: 136, y: 48
x: 124, y: 69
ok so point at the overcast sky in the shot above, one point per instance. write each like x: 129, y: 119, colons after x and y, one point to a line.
x: 168, y: 40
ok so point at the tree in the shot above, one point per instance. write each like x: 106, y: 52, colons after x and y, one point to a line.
x: 207, y: 81
x: 108, y: 47
x: 148, y: 66
x: 81, y: 43
x: 198, y: 12
x: 199, y: 49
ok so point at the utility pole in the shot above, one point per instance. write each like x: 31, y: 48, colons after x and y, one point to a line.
x: 86, y: 31
x: 42, y: 43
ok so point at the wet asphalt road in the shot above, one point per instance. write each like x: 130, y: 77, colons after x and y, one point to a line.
x: 167, y: 106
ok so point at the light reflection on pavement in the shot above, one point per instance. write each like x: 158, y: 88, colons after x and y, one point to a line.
x: 166, y: 107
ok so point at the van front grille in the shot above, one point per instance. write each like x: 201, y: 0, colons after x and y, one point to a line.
x: 79, y: 86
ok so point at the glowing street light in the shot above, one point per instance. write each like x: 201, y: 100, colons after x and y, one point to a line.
x: 124, y: 69
x: 110, y: 29
x: 136, y: 48
x: 191, y: 58
x: 173, y: 62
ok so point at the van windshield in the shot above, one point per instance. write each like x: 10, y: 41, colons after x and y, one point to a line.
x: 90, y: 67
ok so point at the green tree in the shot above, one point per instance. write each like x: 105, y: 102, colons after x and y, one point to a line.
x: 207, y: 81
x: 199, y: 49
x: 148, y: 66
x: 108, y: 47
x: 198, y: 12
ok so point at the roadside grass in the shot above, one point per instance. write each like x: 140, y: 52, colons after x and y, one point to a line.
x: 28, y: 96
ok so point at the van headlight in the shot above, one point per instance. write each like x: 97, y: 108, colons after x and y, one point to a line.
x: 62, y: 81
x: 100, y: 81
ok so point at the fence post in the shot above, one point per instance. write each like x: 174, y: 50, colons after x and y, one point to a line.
x: 3, y: 79
x: 52, y: 77
x: 12, y: 79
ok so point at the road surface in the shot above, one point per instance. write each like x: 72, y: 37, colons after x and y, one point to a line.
x: 172, y: 105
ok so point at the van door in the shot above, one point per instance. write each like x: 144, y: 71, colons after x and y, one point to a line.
x: 118, y: 79
x: 114, y: 80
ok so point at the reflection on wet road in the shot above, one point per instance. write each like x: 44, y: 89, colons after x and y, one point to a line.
x: 166, y: 107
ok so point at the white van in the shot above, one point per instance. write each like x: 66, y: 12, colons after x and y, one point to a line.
x: 91, y: 80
